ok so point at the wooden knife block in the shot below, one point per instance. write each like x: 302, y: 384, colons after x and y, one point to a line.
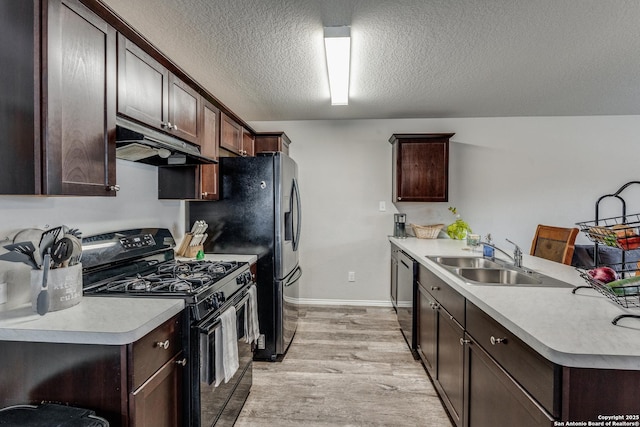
x: 186, y: 250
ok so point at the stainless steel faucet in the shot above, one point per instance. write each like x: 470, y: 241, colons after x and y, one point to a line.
x: 517, y: 253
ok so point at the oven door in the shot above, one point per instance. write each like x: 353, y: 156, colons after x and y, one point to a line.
x: 220, y: 405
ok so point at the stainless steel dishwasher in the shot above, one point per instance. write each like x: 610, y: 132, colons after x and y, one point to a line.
x: 407, y: 273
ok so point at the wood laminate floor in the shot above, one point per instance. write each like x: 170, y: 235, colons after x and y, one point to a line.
x: 347, y: 366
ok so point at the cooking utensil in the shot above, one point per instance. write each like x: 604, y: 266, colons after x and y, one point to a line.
x: 76, y: 251
x: 33, y: 235
x: 43, y: 301
x: 61, y: 251
x: 26, y: 248
x: 14, y: 256
x: 48, y: 239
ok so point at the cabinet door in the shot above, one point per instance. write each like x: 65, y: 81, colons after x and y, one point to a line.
x: 158, y: 402
x: 451, y: 365
x: 143, y: 86
x: 420, y: 167
x: 209, y: 142
x: 272, y: 142
x: 427, y: 331
x: 80, y: 76
x: 231, y: 134
x: 494, y: 398
x: 184, y: 110
x: 248, y: 143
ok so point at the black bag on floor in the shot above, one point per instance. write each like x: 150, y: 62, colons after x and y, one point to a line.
x: 50, y: 415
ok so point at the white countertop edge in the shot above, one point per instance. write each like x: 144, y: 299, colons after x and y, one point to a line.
x: 96, y: 320
x: 599, y: 358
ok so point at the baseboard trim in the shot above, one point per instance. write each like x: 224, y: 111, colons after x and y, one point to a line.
x: 368, y: 303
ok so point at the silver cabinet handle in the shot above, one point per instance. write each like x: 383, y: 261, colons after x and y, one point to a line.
x: 175, y: 127
x: 163, y: 344
x: 495, y: 340
x: 463, y: 341
x: 182, y: 362
x: 205, y: 194
x: 434, y: 305
x: 113, y: 188
x: 435, y: 288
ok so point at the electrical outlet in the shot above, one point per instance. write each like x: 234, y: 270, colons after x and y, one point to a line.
x: 352, y: 276
x: 382, y: 206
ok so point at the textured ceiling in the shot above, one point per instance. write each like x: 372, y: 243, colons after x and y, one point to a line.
x: 410, y: 58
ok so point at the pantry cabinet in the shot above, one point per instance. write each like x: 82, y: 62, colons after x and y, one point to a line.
x: 57, y: 109
x: 420, y: 164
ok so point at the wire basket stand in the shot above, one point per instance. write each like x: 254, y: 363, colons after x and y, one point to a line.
x: 622, y: 232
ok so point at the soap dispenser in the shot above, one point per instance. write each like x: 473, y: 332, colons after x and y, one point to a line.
x: 488, y: 251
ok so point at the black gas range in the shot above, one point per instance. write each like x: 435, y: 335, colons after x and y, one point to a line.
x: 140, y: 263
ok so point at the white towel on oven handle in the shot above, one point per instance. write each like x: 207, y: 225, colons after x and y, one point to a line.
x: 229, y: 329
x: 252, y: 328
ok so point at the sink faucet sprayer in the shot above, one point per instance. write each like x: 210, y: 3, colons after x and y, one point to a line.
x: 517, y: 252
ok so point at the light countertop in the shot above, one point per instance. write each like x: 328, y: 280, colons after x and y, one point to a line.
x: 569, y: 329
x: 97, y: 320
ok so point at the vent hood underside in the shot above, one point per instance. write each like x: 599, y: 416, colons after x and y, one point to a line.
x: 138, y: 143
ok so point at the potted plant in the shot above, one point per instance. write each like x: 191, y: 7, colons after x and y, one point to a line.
x: 459, y: 228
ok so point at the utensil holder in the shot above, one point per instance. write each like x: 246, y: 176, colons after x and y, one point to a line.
x: 64, y: 287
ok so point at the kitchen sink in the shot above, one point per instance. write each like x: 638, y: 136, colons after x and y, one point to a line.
x: 473, y: 262
x: 496, y: 272
x: 498, y: 275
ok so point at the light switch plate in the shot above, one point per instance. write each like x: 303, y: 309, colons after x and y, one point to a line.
x: 382, y: 206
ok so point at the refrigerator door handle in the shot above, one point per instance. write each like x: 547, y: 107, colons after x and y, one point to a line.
x: 296, y: 192
x: 295, y: 276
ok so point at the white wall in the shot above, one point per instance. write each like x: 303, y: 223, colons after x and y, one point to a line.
x: 506, y: 176
x: 136, y: 205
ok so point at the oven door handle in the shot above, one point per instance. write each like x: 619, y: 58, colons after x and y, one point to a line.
x: 211, y: 322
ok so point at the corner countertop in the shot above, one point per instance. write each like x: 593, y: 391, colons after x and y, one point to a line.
x: 573, y: 330
x: 97, y: 320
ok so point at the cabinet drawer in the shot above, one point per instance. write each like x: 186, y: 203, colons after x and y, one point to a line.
x: 446, y: 296
x: 540, y: 377
x: 153, y: 350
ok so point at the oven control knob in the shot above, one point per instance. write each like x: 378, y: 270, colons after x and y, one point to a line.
x: 220, y: 297
x: 241, y: 279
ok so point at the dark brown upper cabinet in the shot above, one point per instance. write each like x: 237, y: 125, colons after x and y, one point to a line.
x: 272, y: 141
x: 421, y: 167
x: 150, y: 94
x: 57, y: 109
x: 193, y: 182
x: 235, y: 138
x: 210, y: 137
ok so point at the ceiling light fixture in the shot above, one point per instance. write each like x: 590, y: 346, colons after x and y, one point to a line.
x: 337, y: 46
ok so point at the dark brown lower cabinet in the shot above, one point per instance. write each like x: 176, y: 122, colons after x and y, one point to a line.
x: 493, y: 397
x: 427, y: 344
x: 157, y: 402
x: 133, y: 385
x: 450, y: 372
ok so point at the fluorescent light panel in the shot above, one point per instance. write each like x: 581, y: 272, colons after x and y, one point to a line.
x: 337, y: 46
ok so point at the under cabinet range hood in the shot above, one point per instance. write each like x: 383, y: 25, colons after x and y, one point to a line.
x: 139, y: 143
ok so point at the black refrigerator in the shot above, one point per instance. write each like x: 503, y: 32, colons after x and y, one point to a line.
x: 259, y: 212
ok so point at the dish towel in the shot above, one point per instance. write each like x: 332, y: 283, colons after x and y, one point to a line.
x: 251, y: 316
x: 229, y: 331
